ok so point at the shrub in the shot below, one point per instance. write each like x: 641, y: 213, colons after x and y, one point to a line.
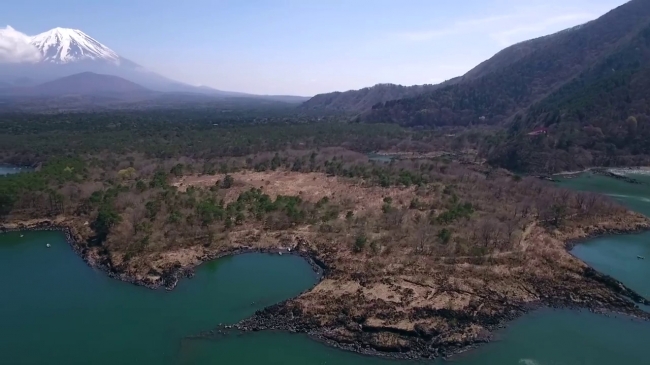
x: 444, y: 235
x: 359, y: 244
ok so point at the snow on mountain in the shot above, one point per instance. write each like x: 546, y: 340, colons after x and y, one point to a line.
x: 64, y: 45
x: 65, y: 52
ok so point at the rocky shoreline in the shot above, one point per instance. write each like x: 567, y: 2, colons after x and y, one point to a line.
x: 169, y: 278
x: 614, y: 173
x: 287, y: 317
x: 280, y: 317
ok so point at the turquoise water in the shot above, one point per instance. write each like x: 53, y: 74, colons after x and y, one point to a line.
x: 634, y: 196
x: 381, y: 158
x: 564, y: 337
x: 54, y: 309
x: 545, y: 337
x: 617, y: 255
x: 57, y: 310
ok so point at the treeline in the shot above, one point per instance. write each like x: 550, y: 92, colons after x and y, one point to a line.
x: 39, y: 191
x: 31, y: 138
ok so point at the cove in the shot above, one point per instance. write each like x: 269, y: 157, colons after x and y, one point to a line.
x: 54, y: 309
x: 617, y: 255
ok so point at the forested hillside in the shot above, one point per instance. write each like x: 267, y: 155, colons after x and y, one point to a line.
x: 499, y: 88
x: 601, y: 118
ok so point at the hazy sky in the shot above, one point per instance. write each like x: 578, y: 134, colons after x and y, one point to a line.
x: 304, y: 47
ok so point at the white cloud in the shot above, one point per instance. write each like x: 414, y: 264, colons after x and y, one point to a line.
x: 505, y: 29
x: 507, y: 37
x: 459, y: 27
x: 15, y: 47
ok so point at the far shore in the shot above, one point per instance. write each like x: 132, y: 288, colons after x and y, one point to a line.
x: 632, y: 169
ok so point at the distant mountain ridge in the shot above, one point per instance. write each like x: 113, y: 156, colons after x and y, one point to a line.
x: 88, y: 83
x: 85, y: 90
x: 65, y: 52
x: 520, y: 75
x: 364, y: 99
x: 88, y: 91
x: 511, y: 80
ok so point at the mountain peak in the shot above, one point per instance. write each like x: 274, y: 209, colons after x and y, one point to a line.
x: 65, y: 45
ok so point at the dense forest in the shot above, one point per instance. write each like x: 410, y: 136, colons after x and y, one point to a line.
x: 205, y: 142
x: 31, y: 138
x: 86, y: 161
x: 124, y: 153
x: 601, y: 118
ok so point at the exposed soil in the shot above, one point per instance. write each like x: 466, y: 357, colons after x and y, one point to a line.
x: 309, y: 186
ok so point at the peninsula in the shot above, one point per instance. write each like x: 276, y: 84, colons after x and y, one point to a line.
x: 420, y: 258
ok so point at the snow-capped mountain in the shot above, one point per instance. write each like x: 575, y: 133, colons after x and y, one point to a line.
x: 64, y: 45
x: 66, y: 52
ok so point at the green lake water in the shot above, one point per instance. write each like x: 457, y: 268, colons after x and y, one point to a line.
x: 381, y: 158
x: 617, y: 255
x: 54, y: 309
x: 6, y: 170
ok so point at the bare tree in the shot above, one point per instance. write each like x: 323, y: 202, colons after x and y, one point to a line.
x: 136, y: 215
x: 424, y: 236
x: 581, y: 202
x: 487, y: 231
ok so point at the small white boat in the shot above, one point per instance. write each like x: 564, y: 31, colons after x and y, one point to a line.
x: 280, y: 253
x: 48, y: 245
x: 640, y: 257
x: 21, y: 236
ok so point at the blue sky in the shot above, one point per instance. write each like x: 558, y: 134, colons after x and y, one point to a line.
x: 304, y: 47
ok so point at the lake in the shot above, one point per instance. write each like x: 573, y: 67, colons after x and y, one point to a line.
x: 381, y: 158
x: 54, y: 309
x: 8, y: 169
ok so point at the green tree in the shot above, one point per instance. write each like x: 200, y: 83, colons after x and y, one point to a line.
x: 227, y: 182
x: 444, y: 235
x: 107, y: 217
x: 359, y: 244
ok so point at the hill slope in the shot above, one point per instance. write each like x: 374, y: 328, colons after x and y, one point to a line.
x: 364, y: 99
x: 520, y: 75
x: 88, y: 83
x: 600, y: 118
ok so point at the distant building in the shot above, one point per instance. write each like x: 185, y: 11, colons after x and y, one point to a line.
x: 537, y: 132
x: 482, y: 118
